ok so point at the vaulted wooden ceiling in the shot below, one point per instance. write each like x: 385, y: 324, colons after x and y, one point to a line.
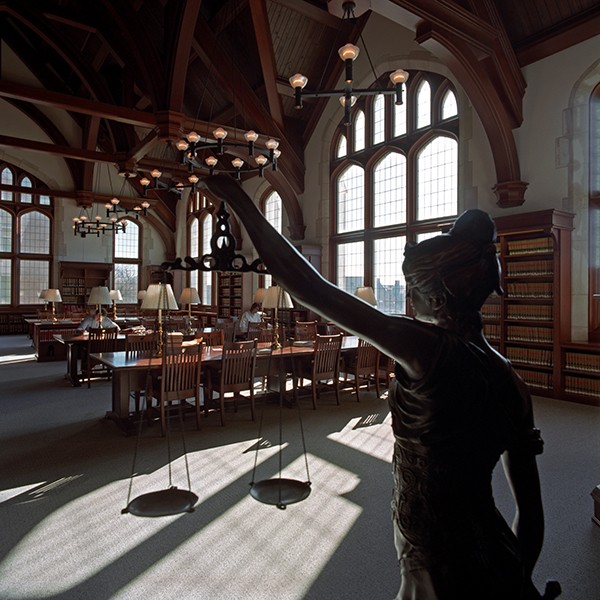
x: 134, y: 73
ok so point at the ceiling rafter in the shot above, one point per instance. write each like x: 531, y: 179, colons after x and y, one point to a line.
x: 258, y: 9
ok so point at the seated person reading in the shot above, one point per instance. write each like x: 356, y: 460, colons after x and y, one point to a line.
x: 97, y: 319
x: 250, y: 316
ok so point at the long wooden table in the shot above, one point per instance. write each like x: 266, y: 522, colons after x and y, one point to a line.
x: 130, y: 373
x: 76, y: 348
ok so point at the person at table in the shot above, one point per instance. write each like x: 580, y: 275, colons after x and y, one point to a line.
x: 97, y: 319
x: 457, y: 406
x: 253, y: 315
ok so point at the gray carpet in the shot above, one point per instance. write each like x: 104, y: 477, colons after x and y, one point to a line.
x: 65, y: 473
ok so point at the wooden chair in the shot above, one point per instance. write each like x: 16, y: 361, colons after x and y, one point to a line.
x: 236, y: 375
x: 179, y: 381
x: 140, y: 346
x: 324, y: 365
x: 229, y: 329
x: 99, y: 340
x: 211, y: 338
x: 254, y: 330
x: 305, y: 330
x: 365, y: 367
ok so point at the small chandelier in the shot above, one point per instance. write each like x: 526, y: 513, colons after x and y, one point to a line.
x: 347, y: 96
x: 86, y: 224
x: 113, y: 208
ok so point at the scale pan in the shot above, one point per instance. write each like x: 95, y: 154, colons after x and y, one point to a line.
x: 162, y: 503
x: 280, y: 492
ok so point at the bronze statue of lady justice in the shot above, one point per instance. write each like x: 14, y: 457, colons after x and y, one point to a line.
x: 457, y: 407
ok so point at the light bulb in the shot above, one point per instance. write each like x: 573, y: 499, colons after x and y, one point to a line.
x: 398, y: 76
x: 349, y: 51
x: 155, y: 173
x: 192, y: 137
x: 220, y: 133
x: 298, y: 80
x: 237, y: 163
x: 182, y: 145
x: 251, y: 136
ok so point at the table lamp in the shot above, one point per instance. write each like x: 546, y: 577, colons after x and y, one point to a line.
x: 367, y: 294
x: 140, y: 296
x: 53, y: 296
x: 159, y: 297
x: 115, y: 296
x: 189, y: 296
x: 275, y: 298
x: 42, y: 296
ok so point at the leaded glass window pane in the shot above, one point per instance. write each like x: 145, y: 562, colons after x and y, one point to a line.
x: 26, y: 198
x: 351, y: 200
x: 342, y: 147
x: 7, y: 179
x: 35, y: 276
x: 127, y: 245
x: 6, y: 231
x: 273, y: 212
x: 34, y: 235
x: 126, y: 280
x: 350, y: 266
x: 437, y: 180
x: 389, y: 283
x: 6, y: 280
x: 194, y: 241
x: 449, y: 105
x: 400, y: 115
x: 206, y: 293
x: 424, y: 105
x: 379, y: 119
x: 390, y: 190
x: 359, y: 131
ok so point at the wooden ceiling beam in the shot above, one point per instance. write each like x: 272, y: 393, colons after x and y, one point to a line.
x: 262, y: 31
x: 211, y: 52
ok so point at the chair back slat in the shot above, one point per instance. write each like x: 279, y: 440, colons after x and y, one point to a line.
x: 102, y: 340
x: 211, y: 338
x: 326, y: 360
x: 367, y: 357
x: 140, y: 345
x: 181, y: 373
x: 237, y: 371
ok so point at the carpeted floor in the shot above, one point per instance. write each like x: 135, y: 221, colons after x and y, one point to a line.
x: 65, y: 475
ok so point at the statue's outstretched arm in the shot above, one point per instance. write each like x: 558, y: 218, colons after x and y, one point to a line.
x: 409, y: 342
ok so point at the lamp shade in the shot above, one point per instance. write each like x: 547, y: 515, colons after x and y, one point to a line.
x: 116, y: 295
x: 53, y: 296
x: 189, y: 296
x: 99, y: 295
x: 159, y: 296
x: 367, y: 294
x: 42, y: 295
x: 276, y: 297
x: 259, y: 295
x: 141, y: 294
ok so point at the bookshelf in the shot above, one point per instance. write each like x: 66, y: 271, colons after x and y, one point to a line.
x: 76, y: 279
x: 532, y: 319
x: 580, y: 370
x: 229, y: 295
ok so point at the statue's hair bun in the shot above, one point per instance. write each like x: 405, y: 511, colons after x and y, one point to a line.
x: 475, y: 226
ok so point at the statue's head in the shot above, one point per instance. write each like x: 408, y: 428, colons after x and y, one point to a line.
x: 459, y: 269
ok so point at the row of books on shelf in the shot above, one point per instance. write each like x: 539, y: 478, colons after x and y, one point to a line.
x: 529, y: 312
x: 529, y: 356
x: 230, y: 280
x: 522, y: 333
x: 536, y: 379
x: 73, y: 281
x: 12, y: 324
x: 530, y: 289
x: 541, y: 245
x: 582, y: 386
x: 75, y: 291
x: 491, y: 311
x: 530, y: 268
x: 491, y: 331
x: 581, y: 361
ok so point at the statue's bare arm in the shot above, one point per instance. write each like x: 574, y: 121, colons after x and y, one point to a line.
x: 410, y: 343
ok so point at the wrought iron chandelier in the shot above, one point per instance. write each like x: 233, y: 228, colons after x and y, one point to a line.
x: 348, y: 96
x: 113, y: 208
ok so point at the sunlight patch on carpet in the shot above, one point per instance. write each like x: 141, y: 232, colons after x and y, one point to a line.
x: 371, y: 435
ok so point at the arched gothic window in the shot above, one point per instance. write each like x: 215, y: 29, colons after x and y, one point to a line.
x: 26, y: 251
x: 594, y: 212
x: 127, y: 261
x: 402, y: 186
x: 200, y: 228
x: 272, y: 209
